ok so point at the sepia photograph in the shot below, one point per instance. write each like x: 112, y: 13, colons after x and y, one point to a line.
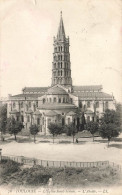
x: 60, y: 97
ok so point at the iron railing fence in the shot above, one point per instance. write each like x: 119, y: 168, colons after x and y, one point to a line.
x: 58, y: 164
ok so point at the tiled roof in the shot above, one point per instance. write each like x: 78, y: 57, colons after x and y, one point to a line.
x: 56, y: 90
x: 75, y: 88
x: 37, y: 112
x: 56, y: 106
x: 90, y: 95
x: 13, y: 112
x: 87, y: 88
x: 29, y: 111
x: 51, y: 113
x: 34, y: 89
x: 71, y: 113
x: 24, y: 96
x: 88, y: 112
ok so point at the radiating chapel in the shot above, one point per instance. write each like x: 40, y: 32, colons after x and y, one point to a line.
x: 62, y: 102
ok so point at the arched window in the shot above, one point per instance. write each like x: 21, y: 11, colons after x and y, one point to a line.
x: 68, y: 121
x: 59, y: 100
x: 58, y: 57
x: 26, y: 107
x: 88, y: 119
x: 58, y: 73
x: 61, y: 57
x: 61, y: 64
x: 34, y: 107
x: 43, y: 100
x: 54, y: 100
x: 63, y: 100
x: 28, y: 119
x: 58, y: 64
x: 61, y: 72
x: 97, y: 104
x: 36, y: 103
x: 55, y: 65
x: 21, y: 104
x: 29, y: 104
x: 106, y: 105
x: 38, y: 121
x: 71, y: 100
x: 84, y: 107
x: 49, y: 121
x: 61, y: 48
x: 54, y: 74
x: 88, y: 104
x: 63, y: 121
x: 80, y: 104
x: 22, y: 118
x: 58, y: 48
x: 14, y: 105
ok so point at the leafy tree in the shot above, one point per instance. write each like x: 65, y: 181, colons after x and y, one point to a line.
x: 108, y: 130
x: 34, y: 129
x: 112, y: 116
x: 3, y: 120
x: 83, y: 121
x: 55, y: 129
x: 110, y: 123
x: 93, y: 127
x: 70, y: 130
x: 119, y: 115
x: 13, y: 126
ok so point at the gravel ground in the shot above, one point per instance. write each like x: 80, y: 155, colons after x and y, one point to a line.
x: 81, y: 152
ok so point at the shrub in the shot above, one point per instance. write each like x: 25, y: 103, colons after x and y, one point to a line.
x: 9, y: 167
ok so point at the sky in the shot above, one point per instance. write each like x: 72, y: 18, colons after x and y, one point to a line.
x: 26, y: 43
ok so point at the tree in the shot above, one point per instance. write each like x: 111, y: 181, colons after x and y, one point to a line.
x: 55, y: 129
x: 108, y: 130
x: 110, y: 124
x: 70, y: 130
x: 112, y: 116
x: 83, y: 121
x: 13, y: 126
x: 93, y: 127
x: 3, y: 120
x: 34, y: 129
x: 119, y: 115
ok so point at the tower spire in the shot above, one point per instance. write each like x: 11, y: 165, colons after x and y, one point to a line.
x: 61, y: 66
x: 61, y: 31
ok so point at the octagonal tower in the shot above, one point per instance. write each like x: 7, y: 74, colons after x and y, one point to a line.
x: 61, y: 66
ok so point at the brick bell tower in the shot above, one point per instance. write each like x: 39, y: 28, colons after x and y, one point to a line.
x: 61, y: 66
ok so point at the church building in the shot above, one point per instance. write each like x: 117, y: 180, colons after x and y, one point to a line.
x: 62, y: 102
